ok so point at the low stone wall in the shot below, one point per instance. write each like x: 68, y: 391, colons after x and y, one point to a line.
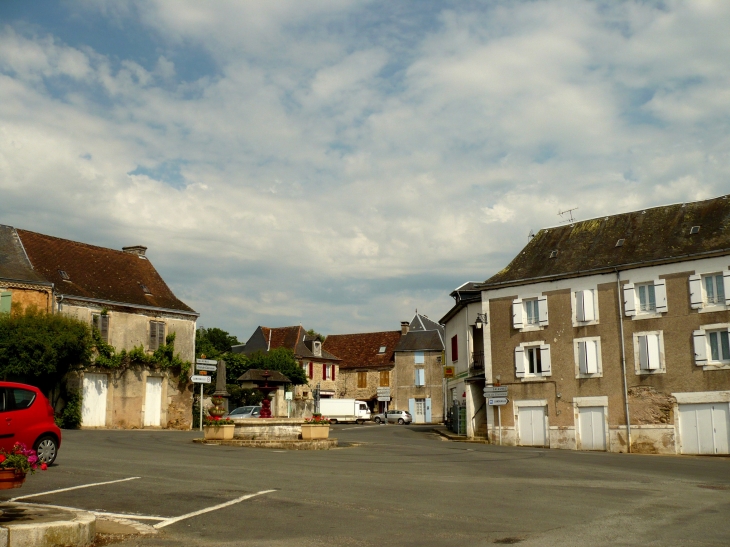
x: 268, y: 429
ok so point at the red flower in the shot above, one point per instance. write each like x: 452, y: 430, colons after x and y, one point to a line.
x: 44, y: 466
x: 2, y: 458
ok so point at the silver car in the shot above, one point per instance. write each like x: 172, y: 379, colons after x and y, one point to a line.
x: 393, y: 417
x: 245, y: 412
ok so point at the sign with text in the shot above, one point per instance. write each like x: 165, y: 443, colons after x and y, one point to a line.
x: 288, y: 396
x: 208, y: 368
x: 495, y: 391
x: 498, y: 401
x: 197, y: 379
x: 383, y: 392
x: 206, y: 361
x: 386, y: 399
x: 449, y: 372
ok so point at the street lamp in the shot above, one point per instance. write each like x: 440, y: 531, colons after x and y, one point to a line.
x: 481, y: 319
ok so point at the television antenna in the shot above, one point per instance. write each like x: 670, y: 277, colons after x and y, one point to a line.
x: 568, y: 212
x: 530, y: 235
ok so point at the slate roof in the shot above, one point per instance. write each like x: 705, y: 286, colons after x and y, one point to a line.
x: 651, y: 236
x: 420, y: 323
x: 14, y: 263
x: 257, y: 375
x: 420, y: 341
x: 362, y: 350
x: 293, y: 338
x: 98, y: 273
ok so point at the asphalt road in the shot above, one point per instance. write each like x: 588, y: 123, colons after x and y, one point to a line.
x: 403, y: 486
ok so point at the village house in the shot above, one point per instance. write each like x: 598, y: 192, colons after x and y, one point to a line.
x: 320, y: 367
x: 609, y: 333
x: 120, y: 294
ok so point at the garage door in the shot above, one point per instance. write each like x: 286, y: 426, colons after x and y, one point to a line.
x: 93, y: 406
x: 531, y: 424
x: 592, y: 427
x: 704, y: 428
x: 153, y: 401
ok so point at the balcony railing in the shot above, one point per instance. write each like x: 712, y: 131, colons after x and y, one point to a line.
x: 477, y: 360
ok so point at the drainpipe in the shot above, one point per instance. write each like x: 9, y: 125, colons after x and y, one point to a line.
x: 623, y: 359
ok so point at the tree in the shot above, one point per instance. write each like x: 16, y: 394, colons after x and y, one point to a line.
x: 279, y: 359
x: 213, y: 342
x: 315, y: 334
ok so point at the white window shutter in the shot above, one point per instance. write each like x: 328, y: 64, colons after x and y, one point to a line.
x: 660, y: 293
x: 545, y: 360
x: 580, y: 314
x: 542, y: 310
x: 726, y: 285
x: 700, y: 341
x: 643, y: 353
x: 518, y: 313
x: 519, y: 362
x: 695, y: 291
x: 589, y: 306
x: 582, y: 365
x: 652, y: 341
x: 629, y: 300
x: 591, y: 357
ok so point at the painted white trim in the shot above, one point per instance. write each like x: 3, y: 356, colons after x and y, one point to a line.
x: 662, y: 358
x: 701, y: 397
x: 530, y: 402
x: 576, y: 357
x: 601, y: 400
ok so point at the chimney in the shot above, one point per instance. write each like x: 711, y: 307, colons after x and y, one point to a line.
x: 404, y: 326
x: 138, y: 250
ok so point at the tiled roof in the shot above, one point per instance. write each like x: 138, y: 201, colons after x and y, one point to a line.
x: 13, y: 262
x: 98, y: 273
x: 292, y: 338
x: 627, y: 240
x: 363, y: 350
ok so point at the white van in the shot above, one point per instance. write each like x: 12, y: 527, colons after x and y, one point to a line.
x: 344, y: 410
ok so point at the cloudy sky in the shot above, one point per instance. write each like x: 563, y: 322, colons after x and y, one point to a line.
x: 342, y: 163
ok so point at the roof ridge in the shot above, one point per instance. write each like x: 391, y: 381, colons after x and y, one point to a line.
x: 75, y: 242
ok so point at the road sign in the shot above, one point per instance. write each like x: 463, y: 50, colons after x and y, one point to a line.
x: 197, y: 379
x: 498, y: 401
x: 386, y: 399
x: 449, y: 371
x: 206, y: 361
x: 288, y: 395
x: 383, y: 392
x: 209, y: 368
x: 495, y: 391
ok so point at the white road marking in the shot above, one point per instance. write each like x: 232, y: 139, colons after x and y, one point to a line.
x: 100, y: 513
x: 207, y: 510
x: 73, y: 488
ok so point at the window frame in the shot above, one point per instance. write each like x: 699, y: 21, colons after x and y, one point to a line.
x: 362, y: 379
x: 577, y: 357
x: 419, y: 357
x: 419, y: 374
x: 545, y: 361
x: 102, y: 331
x: 632, y: 299
x: 454, y: 348
x: 703, y: 354
x: 384, y: 377
x: 575, y: 301
x: 155, y: 324
x: 662, y: 365
x: 539, y: 304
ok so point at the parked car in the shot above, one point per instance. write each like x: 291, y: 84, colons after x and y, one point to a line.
x: 393, y: 417
x: 245, y: 412
x: 29, y: 419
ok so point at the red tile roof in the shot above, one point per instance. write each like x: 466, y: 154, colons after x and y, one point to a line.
x: 98, y: 273
x: 362, y: 350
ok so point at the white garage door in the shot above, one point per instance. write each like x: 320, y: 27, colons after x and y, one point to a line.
x: 531, y: 424
x: 704, y: 428
x: 93, y: 406
x: 591, y: 423
x: 153, y: 401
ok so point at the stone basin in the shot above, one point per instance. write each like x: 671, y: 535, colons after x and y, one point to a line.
x: 267, y: 428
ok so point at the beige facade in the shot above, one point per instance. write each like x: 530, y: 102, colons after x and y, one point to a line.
x: 363, y: 384
x: 324, y: 374
x: 418, y: 386
x: 26, y: 295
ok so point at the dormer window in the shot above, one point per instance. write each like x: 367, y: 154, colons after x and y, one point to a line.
x: 694, y: 230
x: 64, y: 275
x: 144, y: 288
x: 317, y: 348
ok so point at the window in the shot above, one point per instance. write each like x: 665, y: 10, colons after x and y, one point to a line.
x: 709, y: 290
x: 317, y: 348
x: 420, y: 377
x: 101, y: 323
x: 532, y: 360
x: 419, y: 356
x: 64, y: 275
x: 22, y: 398
x: 530, y: 313
x: 714, y: 289
x: 328, y: 372
x: 649, y: 352
x: 712, y: 345
x: 585, y: 306
x: 588, y: 357
x: 157, y: 334
x: 6, y: 299
x: 362, y: 379
x: 384, y: 378
x: 382, y: 349
x: 454, y: 348
x: 645, y: 298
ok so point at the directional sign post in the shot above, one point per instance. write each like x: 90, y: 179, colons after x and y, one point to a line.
x: 495, y: 391
x: 206, y: 362
x: 498, y: 401
x: 200, y: 379
x: 207, y: 368
x: 208, y: 365
x: 497, y: 396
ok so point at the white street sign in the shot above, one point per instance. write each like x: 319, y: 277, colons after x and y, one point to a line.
x: 206, y: 361
x: 197, y: 379
x: 495, y: 391
x: 498, y: 401
x: 209, y: 368
x: 386, y: 399
x: 383, y: 392
x: 288, y: 395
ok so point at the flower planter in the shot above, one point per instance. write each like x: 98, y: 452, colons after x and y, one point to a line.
x: 9, y: 478
x: 310, y: 432
x: 218, y: 432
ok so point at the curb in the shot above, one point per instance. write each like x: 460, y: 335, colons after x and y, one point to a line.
x: 459, y: 438
x: 283, y: 444
x: 79, y: 530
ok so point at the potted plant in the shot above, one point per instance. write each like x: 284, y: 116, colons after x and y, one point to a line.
x: 316, y: 427
x: 16, y: 464
x: 215, y: 427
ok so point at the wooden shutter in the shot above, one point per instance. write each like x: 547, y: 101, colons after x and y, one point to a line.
x: 421, y: 377
x: 520, y: 362
x: 643, y: 353
x: 695, y: 291
x: 580, y: 314
x: 454, y: 348
x: 652, y: 341
x: 660, y: 296
x: 726, y: 285
x: 518, y: 313
x: 154, y: 344
x: 333, y: 373
x: 629, y: 300
x: 589, y: 305
x: 699, y: 338
x: 542, y: 310
x: 582, y: 366
x: 545, y: 360
x: 104, y: 322
x: 311, y: 370
x: 591, y: 357
x: 6, y: 300
x: 324, y: 371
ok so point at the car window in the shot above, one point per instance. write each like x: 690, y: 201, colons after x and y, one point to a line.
x: 3, y: 400
x: 23, y: 398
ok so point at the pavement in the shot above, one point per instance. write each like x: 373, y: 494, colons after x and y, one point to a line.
x: 392, y: 485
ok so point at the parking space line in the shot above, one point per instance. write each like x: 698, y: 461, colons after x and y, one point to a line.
x: 99, y: 513
x: 72, y: 488
x: 208, y: 509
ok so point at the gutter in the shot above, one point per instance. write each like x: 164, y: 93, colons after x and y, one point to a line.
x: 130, y: 305
x: 605, y: 269
x: 623, y: 359
x: 27, y: 281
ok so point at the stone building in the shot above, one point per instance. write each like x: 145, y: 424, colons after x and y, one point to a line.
x: 367, y: 363
x: 610, y: 334
x: 121, y: 294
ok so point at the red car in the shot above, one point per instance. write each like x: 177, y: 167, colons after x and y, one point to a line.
x: 27, y: 417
